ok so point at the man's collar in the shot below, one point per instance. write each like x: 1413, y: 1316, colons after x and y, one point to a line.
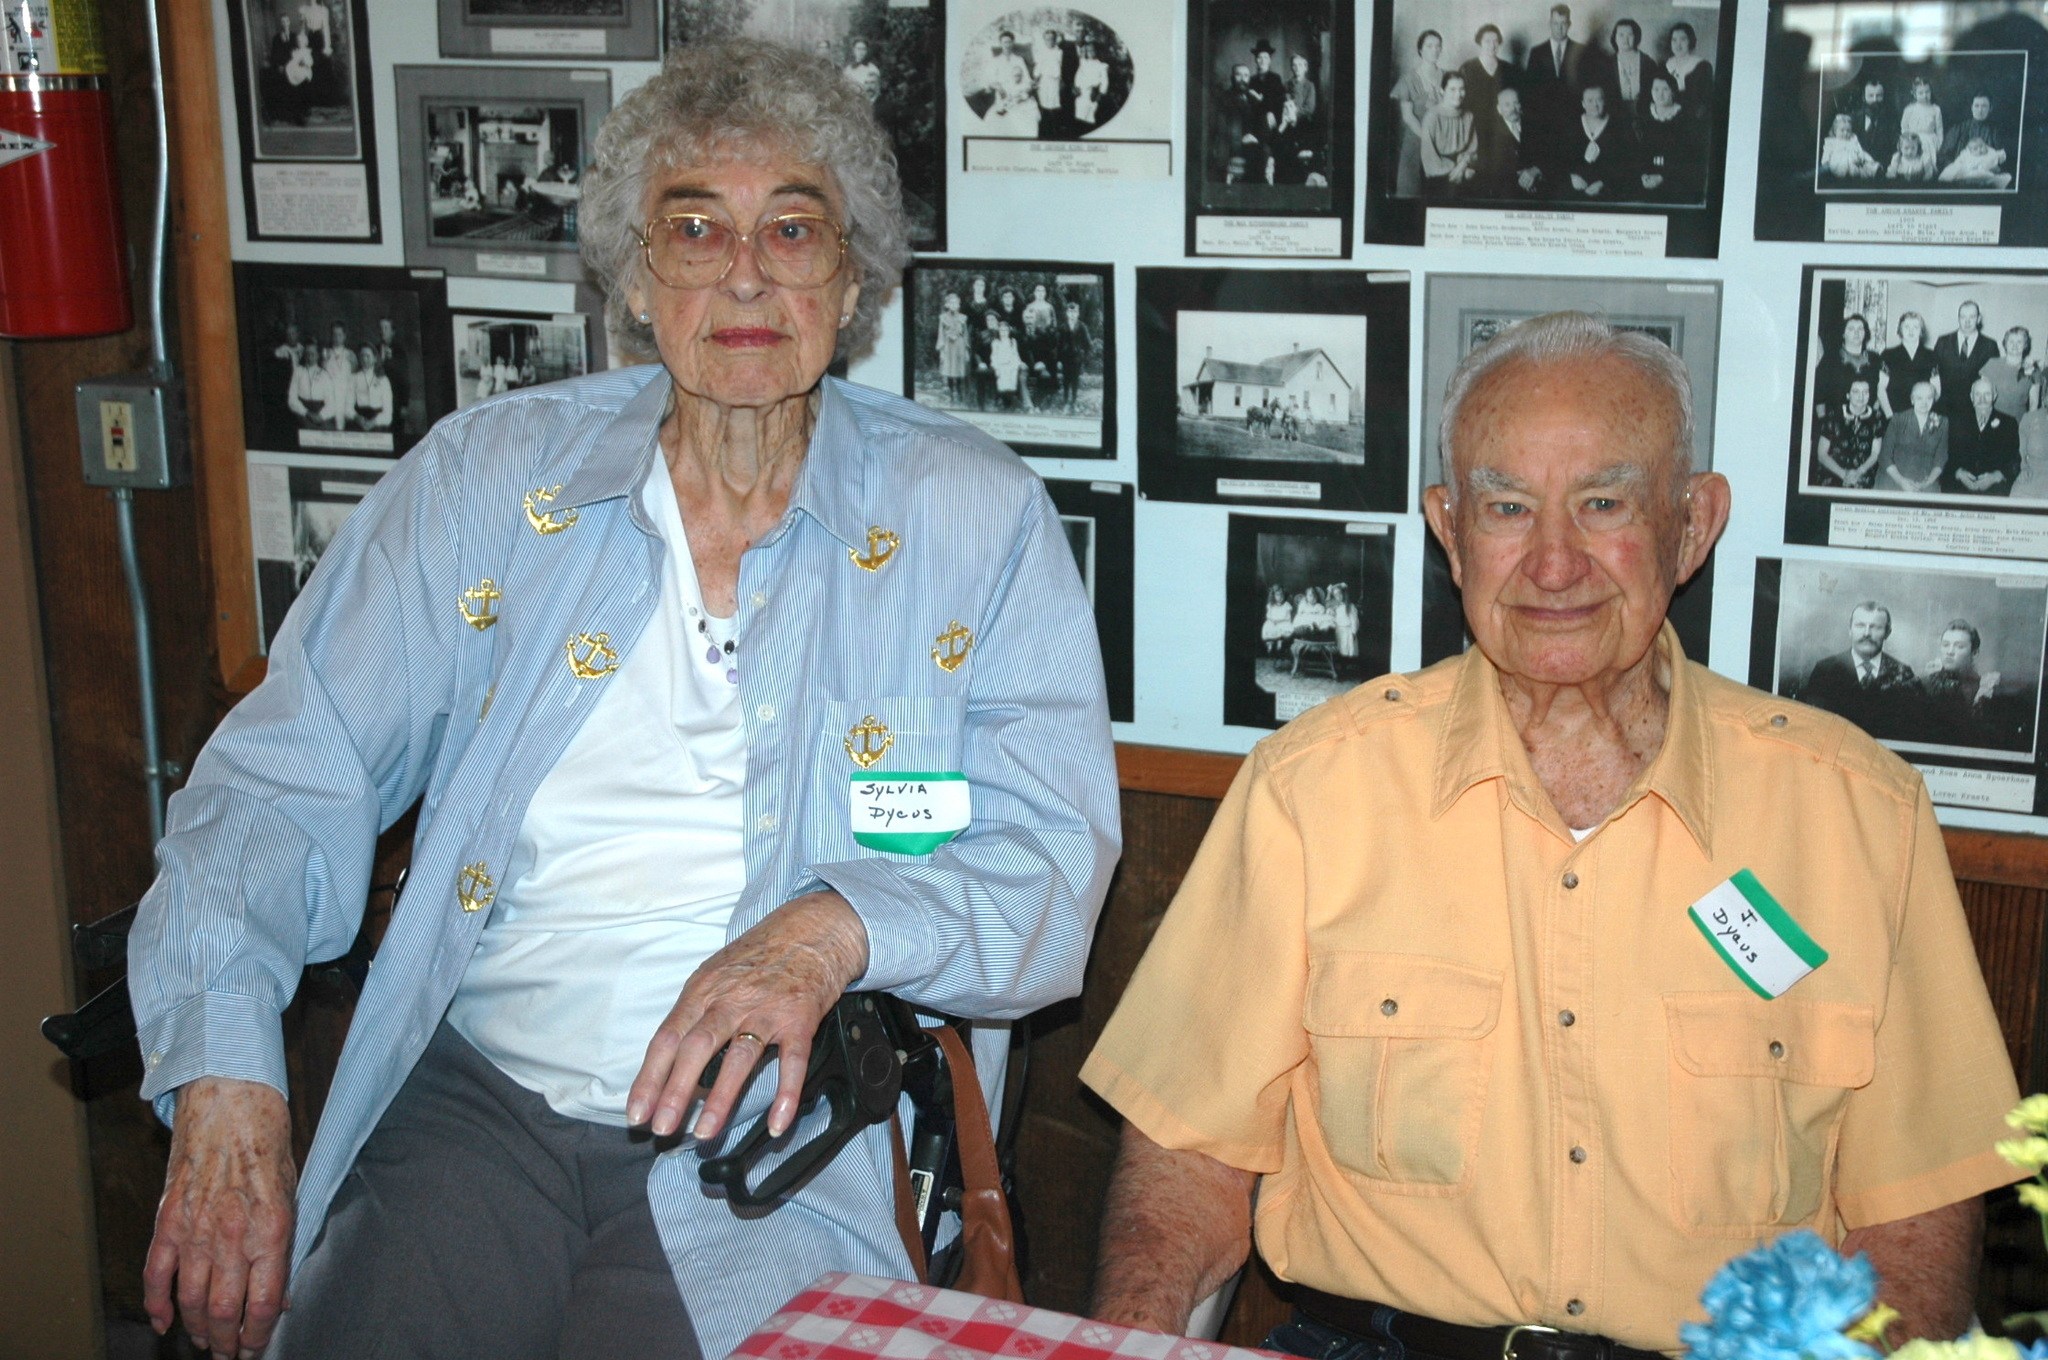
x: 1479, y: 742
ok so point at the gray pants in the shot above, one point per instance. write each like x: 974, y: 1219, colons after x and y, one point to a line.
x: 479, y: 1222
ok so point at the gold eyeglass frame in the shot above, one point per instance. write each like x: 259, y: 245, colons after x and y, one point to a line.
x: 740, y: 239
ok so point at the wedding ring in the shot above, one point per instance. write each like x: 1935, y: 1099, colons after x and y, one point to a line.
x: 749, y: 1034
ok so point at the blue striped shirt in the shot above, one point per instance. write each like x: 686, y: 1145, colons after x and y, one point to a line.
x: 380, y: 691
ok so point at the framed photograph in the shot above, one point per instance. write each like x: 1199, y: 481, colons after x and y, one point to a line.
x: 297, y: 504
x: 569, y: 30
x: 1918, y: 423
x: 1024, y: 349
x: 301, y: 76
x: 1943, y: 666
x: 1308, y: 613
x: 340, y: 359
x: 1269, y: 128
x: 1906, y: 125
x: 1463, y: 311
x: 894, y: 50
x: 1097, y: 518
x: 503, y: 351
x: 1274, y: 387
x: 1038, y: 81
x: 491, y: 166
x: 1562, y: 127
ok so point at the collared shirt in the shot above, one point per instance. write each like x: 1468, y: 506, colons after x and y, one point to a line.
x: 904, y: 524
x: 1492, y: 1074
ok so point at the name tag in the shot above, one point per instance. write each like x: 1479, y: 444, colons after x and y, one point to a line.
x: 909, y: 814
x: 1756, y: 936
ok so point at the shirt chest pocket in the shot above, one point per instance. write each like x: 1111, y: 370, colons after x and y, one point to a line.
x: 1401, y: 1058
x: 1758, y: 1089
x: 885, y: 735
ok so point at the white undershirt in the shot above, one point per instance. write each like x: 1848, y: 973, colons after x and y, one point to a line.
x: 627, y: 866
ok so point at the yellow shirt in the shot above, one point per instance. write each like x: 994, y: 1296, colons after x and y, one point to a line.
x: 1492, y: 1075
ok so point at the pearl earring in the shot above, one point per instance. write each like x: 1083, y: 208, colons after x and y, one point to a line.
x: 643, y: 318
x: 845, y: 317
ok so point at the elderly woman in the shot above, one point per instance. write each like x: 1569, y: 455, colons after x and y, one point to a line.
x: 640, y: 644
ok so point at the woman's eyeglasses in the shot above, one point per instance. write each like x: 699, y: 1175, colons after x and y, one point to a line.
x: 693, y: 250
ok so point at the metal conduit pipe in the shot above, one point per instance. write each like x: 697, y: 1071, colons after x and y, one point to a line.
x: 145, y: 665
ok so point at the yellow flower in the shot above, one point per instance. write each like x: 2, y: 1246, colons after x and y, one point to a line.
x: 2034, y: 1195
x: 1975, y: 1346
x: 2030, y: 1153
x: 2030, y: 1114
x: 1871, y: 1330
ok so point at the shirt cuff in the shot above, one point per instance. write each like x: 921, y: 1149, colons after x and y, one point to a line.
x: 1937, y: 1189
x: 902, y: 945
x: 215, y: 1034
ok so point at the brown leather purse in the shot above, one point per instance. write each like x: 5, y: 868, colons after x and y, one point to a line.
x: 988, y: 1243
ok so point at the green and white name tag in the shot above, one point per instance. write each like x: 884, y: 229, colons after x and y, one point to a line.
x: 909, y: 814
x: 1756, y: 936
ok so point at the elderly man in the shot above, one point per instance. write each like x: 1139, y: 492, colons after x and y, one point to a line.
x: 1499, y: 1085
x: 1983, y: 447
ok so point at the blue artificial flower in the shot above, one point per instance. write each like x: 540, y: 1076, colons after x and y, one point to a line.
x: 2037, y: 1351
x: 1790, y: 1300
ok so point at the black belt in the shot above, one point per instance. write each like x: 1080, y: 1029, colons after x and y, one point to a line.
x: 1451, y: 1341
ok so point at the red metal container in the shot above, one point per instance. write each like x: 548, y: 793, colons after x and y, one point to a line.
x: 63, y: 251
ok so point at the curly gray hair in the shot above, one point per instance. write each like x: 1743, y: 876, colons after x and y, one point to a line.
x: 1571, y: 336
x: 725, y: 99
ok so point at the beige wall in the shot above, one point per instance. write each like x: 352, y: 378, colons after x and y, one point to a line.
x: 49, y: 1284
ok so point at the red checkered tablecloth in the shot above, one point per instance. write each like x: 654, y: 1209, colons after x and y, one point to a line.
x: 860, y: 1317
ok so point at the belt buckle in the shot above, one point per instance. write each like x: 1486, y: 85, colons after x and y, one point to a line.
x: 1507, y: 1343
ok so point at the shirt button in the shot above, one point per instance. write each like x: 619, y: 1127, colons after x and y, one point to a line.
x: 1393, y: 696
x: 1777, y: 1049
x: 1777, y: 720
x: 1567, y: 1019
x: 156, y: 1059
x: 1389, y: 1006
x: 1578, y: 1156
x: 766, y: 712
x: 1574, y: 1307
x: 1571, y: 880
x: 760, y: 598
x: 766, y: 821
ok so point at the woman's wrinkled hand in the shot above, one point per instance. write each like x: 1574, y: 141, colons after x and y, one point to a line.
x: 224, y: 1227
x: 768, y: 988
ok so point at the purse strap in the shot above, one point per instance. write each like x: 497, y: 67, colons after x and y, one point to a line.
x: 988, y: 1242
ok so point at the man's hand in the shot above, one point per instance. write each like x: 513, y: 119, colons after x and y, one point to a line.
x: 1175, y: 1227
x: 224, y: 1228
x: 1926, y: 1268
x: 769, y: 987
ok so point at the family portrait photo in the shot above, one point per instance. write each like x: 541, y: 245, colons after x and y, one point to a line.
x: 1872, y: 111
x: 1310, y: 608
x: 302, y: 74
x: 504, y: 351
x: 340, y: 359
x: 1274, y: 387
x: 1048, y: 74
x: 1933, y: 661
x: 1268, y: 106
x: 893, y: 51
x: 1923, y: 384
x: 1023, y: 349
x: 1463, y: 311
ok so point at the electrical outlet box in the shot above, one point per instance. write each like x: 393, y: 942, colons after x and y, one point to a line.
x: 129, y: 433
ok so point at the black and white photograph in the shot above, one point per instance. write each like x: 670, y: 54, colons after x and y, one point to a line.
x: 1911, y: 124
x: 303, y: 108
x: 1920, y: 393
x: 1023, y: 349
x: 492, y: 162
x: 1612, y: 108
x: 1273, y: 387
x: 1269, y: 128
x: 1940, y: 665
x: 893, y: 50
x: 563, y: 30
x: 504, y: 351
x: 1097, y: 517
x: 1309, y: 608
x: 339, y: 359
x: 1463, y: 311
x: 297, y: 504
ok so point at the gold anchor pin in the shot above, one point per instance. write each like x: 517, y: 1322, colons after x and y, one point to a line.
x: 591, y: 656
x: 479, y: 604
x: 953, y: 646
x: 474, y: 887
x: 882, y: 545
x: 546, y: 521
x: 861, y: 741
